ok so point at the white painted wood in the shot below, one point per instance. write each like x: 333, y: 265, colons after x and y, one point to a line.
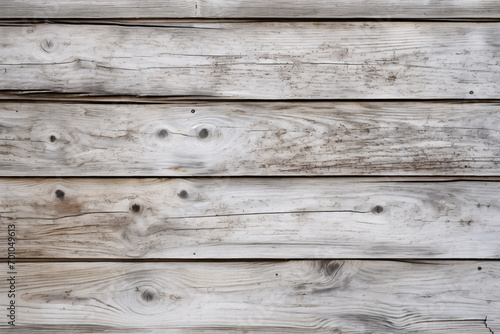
x: 259, y: 297
x: 385, y: 10
x: 260, y: 60
x: 249, y: 139
x: 252, y: 218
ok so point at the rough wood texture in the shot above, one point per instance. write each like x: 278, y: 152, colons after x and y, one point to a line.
x: 264, y: 60
x: 260, y: 297
x: 252, y: 218
x: 250, y: 139
x: 386, y: 10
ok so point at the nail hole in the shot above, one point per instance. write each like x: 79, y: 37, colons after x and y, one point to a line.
x: 183, y: 194
x: 148, y: 295
x: 377, y: 209
x: 60, y: 194
x: 479, y: 268
x: 136, y: 208
x: 203, y: 133
x: 162, y: 133
x: 471, y: 92
x: 193, y: 111
x: 53, y: 138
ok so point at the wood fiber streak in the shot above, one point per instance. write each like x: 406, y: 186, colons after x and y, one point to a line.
x: 386, y: 10
x: 219, y: 218
x: 201, y: 139
x: 260, y: 60
x: 264, y: 297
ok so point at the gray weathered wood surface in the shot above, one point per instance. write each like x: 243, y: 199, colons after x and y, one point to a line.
x: 250, y: 139
x: 269, y: 89
x: 259, y: 60
x: 252, y: 218
x: 388, y: 9
x: 260, y: 297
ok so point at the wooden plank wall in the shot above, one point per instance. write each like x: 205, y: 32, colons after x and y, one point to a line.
x: 208, y: 166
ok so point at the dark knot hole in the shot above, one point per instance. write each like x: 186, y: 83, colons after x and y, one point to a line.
x: 203, y: 133
x: 136, y: 208
x: 60, y: 194
x: 148, y: 295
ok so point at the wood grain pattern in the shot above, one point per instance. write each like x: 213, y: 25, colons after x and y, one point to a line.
x: 203, y: 252
x: 386, y: 10
x: 260, y: 60
x: 249, y: 139
x: 263, y: 297
x: 250, y: 218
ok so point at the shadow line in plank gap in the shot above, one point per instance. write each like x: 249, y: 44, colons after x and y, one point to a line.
x: 158, y: 21
x: 367, y: 178
x: 393, y: 259
x: 84, y: 98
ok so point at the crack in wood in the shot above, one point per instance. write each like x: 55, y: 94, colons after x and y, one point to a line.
x: 267, y: 213
x: 486, y: 325
x: 66, y: 216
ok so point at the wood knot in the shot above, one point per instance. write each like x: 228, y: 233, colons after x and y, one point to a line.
x: 377, y: 209
x: 162, y: 133
x: 329, y: 267
x: 48, y: 45
x: 148, y: 295
x: 471, y: 92
x: 60, y: 194
x: 203, y: 133
x: 193, y: 111
x: 183, y: 194
x: 52, y: 138
x: 135, y: 208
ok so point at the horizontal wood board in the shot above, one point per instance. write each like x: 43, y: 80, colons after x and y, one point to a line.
x: 299, y: 9
x: 251, y: 218
x: 230, y: 138
x: 259, y: 297
x: 259, y: 60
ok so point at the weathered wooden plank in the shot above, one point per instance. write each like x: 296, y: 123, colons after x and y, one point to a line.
x: 250, y: 9
x: 260, y: 60
x: 244, y: 218
x: 259, y: 297
x: 250, y: 139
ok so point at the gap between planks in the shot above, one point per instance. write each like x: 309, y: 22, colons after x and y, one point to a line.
x: 18, y: 96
